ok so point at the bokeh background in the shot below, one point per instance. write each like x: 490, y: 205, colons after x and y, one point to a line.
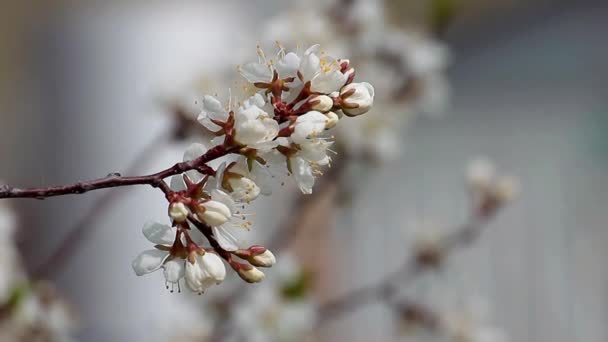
x: 82, y: 86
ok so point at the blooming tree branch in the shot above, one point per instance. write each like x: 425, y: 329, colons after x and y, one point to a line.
x: 277, y: 131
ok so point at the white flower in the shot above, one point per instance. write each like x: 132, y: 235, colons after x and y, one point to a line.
x: 204, y: 271
x: 253, y: 126
x: 220, y: 212
x: 357, y: 98
x: 324, y: 73
x: 309, y: 127
x: 153, y: 259
x: 470, y: 324
x: 260, y: 71
x: 485, y: 182
x: 212, y: 111
x: 235, y: 179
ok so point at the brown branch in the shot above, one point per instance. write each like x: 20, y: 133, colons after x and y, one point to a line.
x: 412, y: 267
x: 79, y: 231
x: 155, y: 180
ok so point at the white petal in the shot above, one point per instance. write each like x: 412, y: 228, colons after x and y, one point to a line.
x: 174, y: 270
x: 213, y: 266
x: 226, y: 240
x: 212, y: 109
x: 149, y: 261
x: 302, y: 173
x: 309, y: 66
x: 256, y: 72
x: 219, y: 175
x: 328, y: 82
x: 222, y: 197
x: 159, y: 234
x: 288, y: 65
x: 194, y: 151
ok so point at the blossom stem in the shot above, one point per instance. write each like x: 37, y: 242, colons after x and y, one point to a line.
x: 208, y: 233
x: 388, y: 286
x: 155, y: 180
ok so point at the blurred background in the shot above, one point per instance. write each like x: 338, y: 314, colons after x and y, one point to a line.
x: 84, y: 87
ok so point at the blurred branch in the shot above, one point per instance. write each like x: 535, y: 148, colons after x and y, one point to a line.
x: 428, y: 257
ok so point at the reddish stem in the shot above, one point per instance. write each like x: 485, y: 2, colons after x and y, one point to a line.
x: 113, y: 181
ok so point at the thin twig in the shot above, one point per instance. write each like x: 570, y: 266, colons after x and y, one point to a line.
x: 411, y: 268
x: 115, y: 180
x: 80, y: 230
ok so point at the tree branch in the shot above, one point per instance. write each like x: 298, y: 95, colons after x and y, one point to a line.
x: 412, y: 267
x: 79, y: 231
x: 115, y: 180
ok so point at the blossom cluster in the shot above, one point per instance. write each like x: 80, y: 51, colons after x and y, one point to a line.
x: 407, y: 68
x: 278, y: 130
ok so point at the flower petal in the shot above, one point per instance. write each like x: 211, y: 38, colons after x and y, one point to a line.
x: 256, y: 72
x: 149, y: 261
x: 174, y: 270
x: 224, y: 198
x: 192, y: 152
x: 302, y: 173
x: 159, y: 234
x: 226, y: 240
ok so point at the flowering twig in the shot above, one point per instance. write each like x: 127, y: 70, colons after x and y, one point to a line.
x: 489, y: 193
x: 79, y: 231
x: 114, y: 180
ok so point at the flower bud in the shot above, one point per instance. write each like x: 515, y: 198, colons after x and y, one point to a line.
x: 203, y: 271
x: 357, y: 98
x: 243, y: 188
x: 250, y: 274
x: 506, y: 189
x: 265, y: 259
x: 213, y: 213
x: 332, y: 120
x: 178, y: 212
x: 480, y: 174
x: 321, y: 103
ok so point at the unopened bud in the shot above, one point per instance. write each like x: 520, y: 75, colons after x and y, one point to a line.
x: 321, y: 103
x: 332, y: 120
x: 178, y: 212
x: 357, y: 98
x: 213, y: 213
x: 250, y: 274
x: 265, y: 259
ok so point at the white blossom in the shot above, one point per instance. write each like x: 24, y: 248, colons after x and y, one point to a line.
x: 254, y: 127
x: 154, y: 259
x: 221, y: 213
x: 204, y: 271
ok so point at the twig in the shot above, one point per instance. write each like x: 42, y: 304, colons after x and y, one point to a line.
x: 115, y: 180
x: 411, y: 268
x: 80, y: 230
